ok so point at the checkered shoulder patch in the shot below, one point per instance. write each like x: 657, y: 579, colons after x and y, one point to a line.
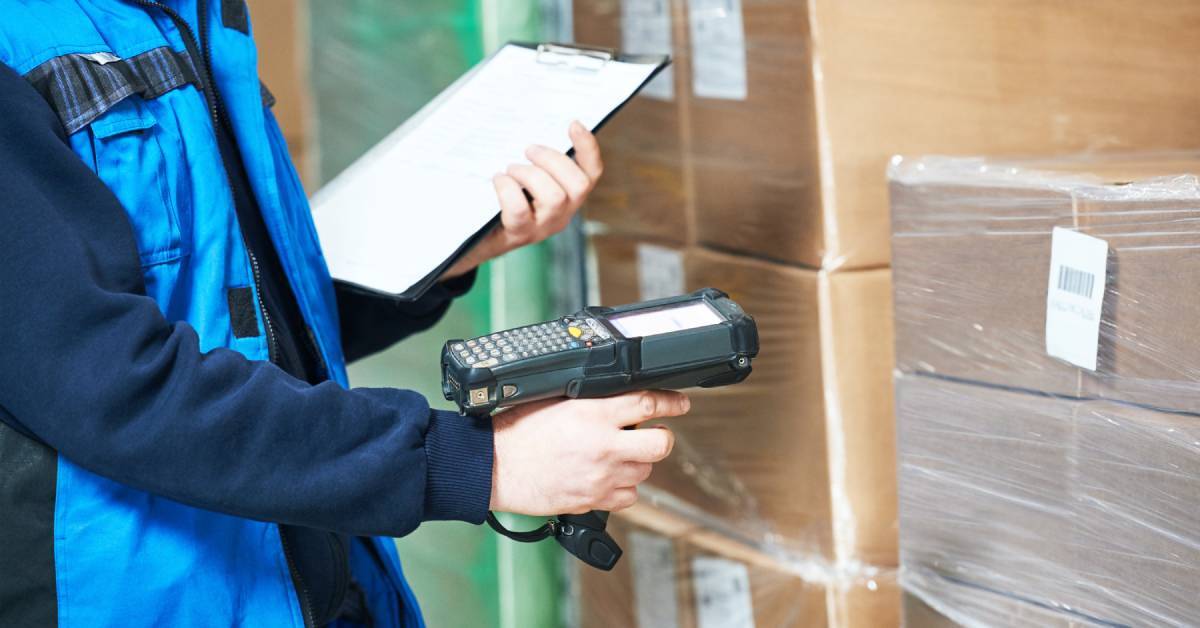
x: 81, y: 87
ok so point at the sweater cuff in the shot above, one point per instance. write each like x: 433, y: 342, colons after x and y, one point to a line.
x: 458, y: 453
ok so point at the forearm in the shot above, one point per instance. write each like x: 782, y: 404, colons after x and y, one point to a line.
x: 223, y: 433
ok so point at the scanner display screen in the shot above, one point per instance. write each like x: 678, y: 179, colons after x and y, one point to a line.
x: 665, y: 320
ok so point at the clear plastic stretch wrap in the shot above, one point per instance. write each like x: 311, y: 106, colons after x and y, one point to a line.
x: 1033, y: 491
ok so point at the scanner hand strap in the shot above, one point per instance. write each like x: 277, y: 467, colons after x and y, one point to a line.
x: 583, y: 536
x: 547, y: 530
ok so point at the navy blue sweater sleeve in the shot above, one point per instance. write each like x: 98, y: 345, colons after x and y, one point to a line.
x: 89, y: 365
x: 372, y: 322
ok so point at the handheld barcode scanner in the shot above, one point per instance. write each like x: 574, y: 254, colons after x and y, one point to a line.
x: 699, y: 339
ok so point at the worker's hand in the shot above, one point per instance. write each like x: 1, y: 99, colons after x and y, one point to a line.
x: 558, y: 186
x: 569, y: 457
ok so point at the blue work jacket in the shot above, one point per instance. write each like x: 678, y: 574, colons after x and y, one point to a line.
x: 122, y: 77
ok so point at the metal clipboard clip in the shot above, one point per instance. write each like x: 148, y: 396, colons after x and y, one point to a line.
x: 574, y: 57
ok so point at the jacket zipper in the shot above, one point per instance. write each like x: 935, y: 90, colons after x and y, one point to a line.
x: 213, y: 99
x: 218, y: 116
x: 272, y: 348
x: 301, y: 591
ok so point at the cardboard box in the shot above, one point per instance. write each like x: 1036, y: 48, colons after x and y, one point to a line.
x: 794, y: 109
x: 970, y: 267
x: 985, y: 485
x: 676, y: 573
x: 645, y: 187
x: 1081, y: 506
x: 281, y: 36
x: 972, y: 261
x: 755, y: 133
x: 803, y: 451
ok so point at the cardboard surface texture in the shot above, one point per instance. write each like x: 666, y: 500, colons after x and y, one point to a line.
x: 280, y: 35
x: 972, y: 253
x: 763, y: 456
x: 992, y: 77
x: 757, y: 165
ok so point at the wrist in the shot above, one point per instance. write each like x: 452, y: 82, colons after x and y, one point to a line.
x: 487, y: 249
x: 497, y: 499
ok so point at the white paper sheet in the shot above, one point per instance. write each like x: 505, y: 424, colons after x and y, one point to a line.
x: 406, y: 206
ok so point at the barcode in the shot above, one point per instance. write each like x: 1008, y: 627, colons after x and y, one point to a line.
x: 1075, y: 281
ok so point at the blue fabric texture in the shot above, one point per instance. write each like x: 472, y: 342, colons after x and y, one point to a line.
x: 181, y: 447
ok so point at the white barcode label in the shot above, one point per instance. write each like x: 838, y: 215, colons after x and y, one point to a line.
x: 653, y: 561
x: 646, y: 29
x: 722, y: 590
x: 1075, y: 298
x: 718, y: 49
x: 660, y: 272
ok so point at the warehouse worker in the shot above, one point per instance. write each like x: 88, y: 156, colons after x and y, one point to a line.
x: 177, y: 443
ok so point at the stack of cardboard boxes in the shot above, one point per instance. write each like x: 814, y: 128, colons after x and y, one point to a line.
x: 1030, y: 487
x: 758, y: 166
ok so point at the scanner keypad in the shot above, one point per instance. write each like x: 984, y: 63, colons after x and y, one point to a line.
x: 530, y: 341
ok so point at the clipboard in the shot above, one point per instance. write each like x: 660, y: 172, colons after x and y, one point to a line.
x: 348, y: 229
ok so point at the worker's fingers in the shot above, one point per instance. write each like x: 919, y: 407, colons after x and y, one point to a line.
x: 648, y: 445
x: 587, y: 150
x: 515, y: 213
x: 631, y: 473
x: 565, y: 171
x: 636, y: 407
x: 549, y: 198
x: 619, y: 499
